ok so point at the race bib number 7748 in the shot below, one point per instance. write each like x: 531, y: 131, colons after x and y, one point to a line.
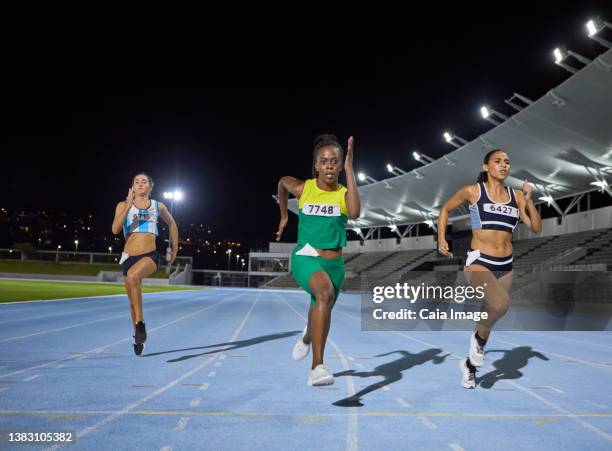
x: 321, y: 210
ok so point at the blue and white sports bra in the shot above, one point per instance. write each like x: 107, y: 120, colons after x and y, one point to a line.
x: 489, y: 215
x: 142, y: 220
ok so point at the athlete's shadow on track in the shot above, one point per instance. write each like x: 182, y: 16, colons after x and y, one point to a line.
x: 391, y: 372
x: 230, y: 346
x: 509, y: 365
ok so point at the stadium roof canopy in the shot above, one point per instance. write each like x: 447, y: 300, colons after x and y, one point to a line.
x: 562, y: 143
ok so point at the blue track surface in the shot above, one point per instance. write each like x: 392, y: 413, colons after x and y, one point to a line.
x: 217, y: 374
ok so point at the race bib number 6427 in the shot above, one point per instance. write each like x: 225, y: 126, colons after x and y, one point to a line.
x: 505, y: 210
x: 321, y: 210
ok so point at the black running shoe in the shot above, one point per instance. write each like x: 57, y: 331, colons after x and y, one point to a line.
x: 138, y: 348
x: 141, y: 333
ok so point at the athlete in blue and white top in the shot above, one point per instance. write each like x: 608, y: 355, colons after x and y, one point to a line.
x: 495, y: 210
x: 138, y: 216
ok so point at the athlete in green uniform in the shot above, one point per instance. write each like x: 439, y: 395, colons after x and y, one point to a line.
x: 316, y: 262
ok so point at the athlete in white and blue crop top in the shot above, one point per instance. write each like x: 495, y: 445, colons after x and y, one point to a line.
x: 138, y: 216
x: 495, y: 210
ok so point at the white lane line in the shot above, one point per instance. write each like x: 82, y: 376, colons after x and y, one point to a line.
x: 102, y: 348
x: 570, y: 414
x: 181, y: 424
x: 455, y: 447
x: 108, y: 318
x: 561, y: 356
x: 95, y: 298
x: 195, y: 402
x: 31, y: 378
x: 402, y: 402
x: 212, y: 374
x: 127, y: 409
x: 204, y: 386
x: 596, y: 404
x: 427, y: 422
x: 166, y: 448
x: 482, y: 415
x: 351, y: 434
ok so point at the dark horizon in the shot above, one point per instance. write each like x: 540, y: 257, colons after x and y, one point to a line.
x: 223, y: 111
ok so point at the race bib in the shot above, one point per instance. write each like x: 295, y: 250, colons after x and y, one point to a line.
x: 505, y: 210
x: 321, y: 210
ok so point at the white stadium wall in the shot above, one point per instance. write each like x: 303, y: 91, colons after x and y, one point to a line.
x: 600, y: 218
x: 390, y: 244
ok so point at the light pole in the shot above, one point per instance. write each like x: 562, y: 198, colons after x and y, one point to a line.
x: 110, y: 250
x: 237, y: 260
x: 229, y: 254
x: 59, y: 246
x: 76, y: 246
x: 178, y: 196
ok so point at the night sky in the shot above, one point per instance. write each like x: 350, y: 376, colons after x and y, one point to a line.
x: 224, y: 110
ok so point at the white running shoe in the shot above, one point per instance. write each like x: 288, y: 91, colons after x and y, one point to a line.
x: 301, y: 349
x: 320, y: 376
x: 468, y: 379
x: 477, y: 353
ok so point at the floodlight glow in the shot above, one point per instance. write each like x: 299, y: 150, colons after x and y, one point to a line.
x: 357, y: 230
x: 393, y: 228
x: 76, y: 241
x: 448, y: 137
x: 484, y: 111
x: 599, y: 183
x: 416, y: 155
x: 547, y: 199
x: 559, y: 55
x: 178, y: 195
x: 168, y: 195
x: 361, y: 176
x: 389, y: 168
x: 591, y: 28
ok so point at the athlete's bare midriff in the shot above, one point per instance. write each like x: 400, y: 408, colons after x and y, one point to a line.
x: 330, y: 254
x: 496, y: 243
x: 140, y: 243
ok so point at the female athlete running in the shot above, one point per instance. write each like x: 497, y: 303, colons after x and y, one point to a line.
x: 316, y: 262
x: 495, y: 210
x: 138, y: 216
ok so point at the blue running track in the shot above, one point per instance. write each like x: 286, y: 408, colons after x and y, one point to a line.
x: 217, y: 374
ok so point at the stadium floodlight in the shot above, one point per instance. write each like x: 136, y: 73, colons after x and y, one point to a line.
x: 547, y: 199
x: 110, y: 249
x: 76, y: 246
x: 594, y: 26
x: 561, y: 54
x: 422, y: 158
x: 487, y: 113
x: 393, y: 228
x: 451, y: 138
x: 430, y: 223
x: 365, y: 178
x: 395, y: 170
x: 603, y: 186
